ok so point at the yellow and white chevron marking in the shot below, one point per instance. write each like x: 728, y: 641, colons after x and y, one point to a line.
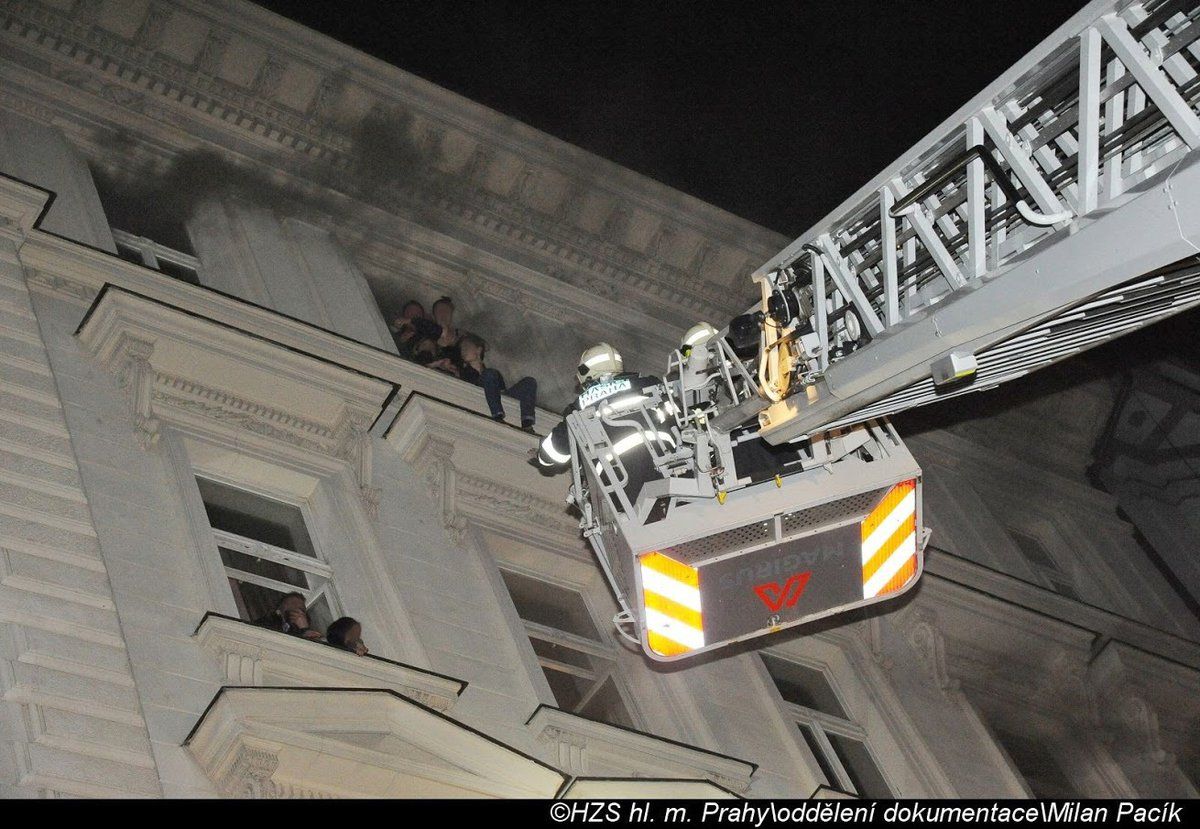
x: 889, y: 542
x: 671, y: 604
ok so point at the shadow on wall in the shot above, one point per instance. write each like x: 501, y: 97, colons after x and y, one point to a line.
x: 156, y: 201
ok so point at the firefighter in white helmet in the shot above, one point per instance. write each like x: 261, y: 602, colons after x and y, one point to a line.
x: 615, y: 396
x: 597, y: 364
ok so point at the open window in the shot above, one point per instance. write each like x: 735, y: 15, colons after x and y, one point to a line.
x: 838, y: 744
x: 578, y: 663
x: 267, y: 553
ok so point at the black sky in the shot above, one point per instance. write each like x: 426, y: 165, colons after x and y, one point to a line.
x: 774, y: 111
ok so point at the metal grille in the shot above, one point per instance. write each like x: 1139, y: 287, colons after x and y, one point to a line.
x: 724, y: 542
x: 760, y: 532
x: 835, y: 512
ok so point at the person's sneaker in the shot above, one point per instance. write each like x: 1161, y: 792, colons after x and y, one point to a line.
x: 528, y: 427
x: 498, y: 418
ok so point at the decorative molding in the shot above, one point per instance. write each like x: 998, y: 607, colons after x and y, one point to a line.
x: 150, y: 34
x: 208, y: 59
x: 926, y: 639
x: 268, y: 77
x: 476, y: 471
x: 249, y: 774
x: 134, y: 74
x: 317, y: 412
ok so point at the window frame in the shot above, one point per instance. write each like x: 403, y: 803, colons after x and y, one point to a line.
x: 821, y: 725
x: 315, y: 565
x: 152, y: 252
x: 595, y: 650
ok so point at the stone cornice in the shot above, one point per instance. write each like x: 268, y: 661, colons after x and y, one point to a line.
x: 21, y: 205
x: 69, y: 271
x: 222, y: 383
x: 476, y: 471
x: 979, y: 585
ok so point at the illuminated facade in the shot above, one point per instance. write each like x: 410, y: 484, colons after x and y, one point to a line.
x: 207, y: 214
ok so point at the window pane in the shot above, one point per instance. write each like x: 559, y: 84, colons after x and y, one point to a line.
x: 606, y: 705
x: 803, y: 686
x: 256, y: 517
x: 264, y: 567
x: 568, y: 689
x: 254, y: 602
x: 560, y: 653
x: 1037, y: 765
x: 550, y: 605
x: 178, y: 271
x: 320, y: 614
x: 818, y: 752
x: 859, y: 764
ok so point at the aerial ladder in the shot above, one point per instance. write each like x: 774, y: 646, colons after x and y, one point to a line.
x: 758, y: 485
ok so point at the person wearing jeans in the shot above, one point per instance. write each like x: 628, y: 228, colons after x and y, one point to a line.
x: 474, y: 371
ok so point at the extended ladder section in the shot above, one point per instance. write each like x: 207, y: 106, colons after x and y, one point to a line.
x: 1056, y: 211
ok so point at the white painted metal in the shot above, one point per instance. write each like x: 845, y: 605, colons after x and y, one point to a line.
x: 1071, y: 136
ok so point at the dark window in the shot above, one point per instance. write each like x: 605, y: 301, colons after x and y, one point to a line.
x: 577, y: 663
x: 803, y: 686
x: 1037, y: 765
x: 549, y: 605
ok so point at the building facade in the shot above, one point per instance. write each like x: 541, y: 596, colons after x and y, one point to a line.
x: 207, y: 216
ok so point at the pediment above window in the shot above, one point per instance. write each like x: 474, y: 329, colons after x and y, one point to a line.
x: 255, y: 656
x: 479, y: 472
x: 229, y: 385
x: 594, y: 749
x: 338, y: 742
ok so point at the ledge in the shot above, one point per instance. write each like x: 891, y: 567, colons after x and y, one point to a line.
x: 254, y: 656
x: 590, y: 748
x: 643, y: 788
x: 339, y: 742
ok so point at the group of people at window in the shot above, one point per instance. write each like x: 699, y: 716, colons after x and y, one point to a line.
x: 434, y: 341
x: 291, y: 616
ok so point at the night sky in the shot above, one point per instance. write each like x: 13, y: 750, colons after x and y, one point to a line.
x: 776, y: 112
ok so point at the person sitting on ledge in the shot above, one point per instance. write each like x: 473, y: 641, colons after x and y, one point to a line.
x: 448, y: 336
x: 290, y: 616
x: 411, y: 327
x: 346, y: 634
x: 474, y: 371
x: 425, y: 353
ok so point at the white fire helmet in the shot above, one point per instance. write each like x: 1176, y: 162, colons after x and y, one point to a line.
x: 597, y: 361
x: 698, y: 334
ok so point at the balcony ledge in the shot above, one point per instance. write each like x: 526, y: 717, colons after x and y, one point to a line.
x: 342, y: 742
x: 254, y: 656
x: 588, y: 748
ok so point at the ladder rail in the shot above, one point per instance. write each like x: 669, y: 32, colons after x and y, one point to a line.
x: 1069, y: 134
